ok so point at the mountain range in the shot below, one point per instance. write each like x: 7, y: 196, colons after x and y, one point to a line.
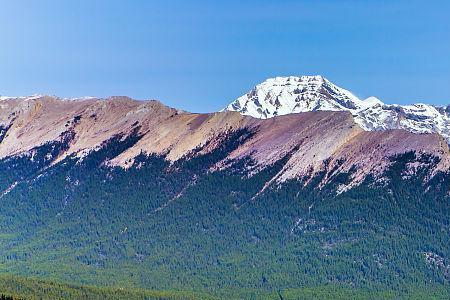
x: 286, y: 95
x: 296, y: 188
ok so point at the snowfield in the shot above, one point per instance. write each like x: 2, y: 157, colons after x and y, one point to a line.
x: 287, y: 95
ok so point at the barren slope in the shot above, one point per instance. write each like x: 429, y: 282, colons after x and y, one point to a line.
x: 315, y: 141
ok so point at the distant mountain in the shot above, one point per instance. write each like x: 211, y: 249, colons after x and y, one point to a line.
x: 135, y: 194
x: 286, y: 95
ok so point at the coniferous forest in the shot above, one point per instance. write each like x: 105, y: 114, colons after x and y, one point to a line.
x: 182, y: 230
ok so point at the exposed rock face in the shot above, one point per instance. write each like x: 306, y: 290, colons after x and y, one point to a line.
x: 287, y: 95
x: 315, y: 141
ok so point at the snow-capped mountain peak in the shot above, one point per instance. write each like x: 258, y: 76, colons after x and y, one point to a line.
x: 372, y: 101
x: 286, y: 95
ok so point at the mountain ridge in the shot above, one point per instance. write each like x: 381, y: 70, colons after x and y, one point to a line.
x: 286, y: 95
x: 315, y: 140
x: 126, y: 193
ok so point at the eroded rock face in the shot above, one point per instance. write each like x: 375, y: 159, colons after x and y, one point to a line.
x: 317, y: 141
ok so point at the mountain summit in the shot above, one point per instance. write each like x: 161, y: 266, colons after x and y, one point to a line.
x: 286, y: 95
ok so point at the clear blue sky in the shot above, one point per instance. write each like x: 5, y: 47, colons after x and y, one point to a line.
x: 200, y: 55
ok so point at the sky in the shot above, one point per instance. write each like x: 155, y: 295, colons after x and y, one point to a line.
x: 201, y: 55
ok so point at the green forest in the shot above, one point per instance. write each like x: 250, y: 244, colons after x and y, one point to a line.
x: 20, y: 289
x: 82, y: 229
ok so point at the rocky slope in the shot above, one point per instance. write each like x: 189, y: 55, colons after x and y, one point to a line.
x: 286, y: 95
x: 125, y: 193
x: 314, y: 141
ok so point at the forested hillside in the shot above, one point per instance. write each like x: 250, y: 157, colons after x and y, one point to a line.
x: 33, y: 289
x: 183, y: 226
x: 17, y: 288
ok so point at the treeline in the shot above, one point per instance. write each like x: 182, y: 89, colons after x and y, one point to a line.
x: 183, y: 226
